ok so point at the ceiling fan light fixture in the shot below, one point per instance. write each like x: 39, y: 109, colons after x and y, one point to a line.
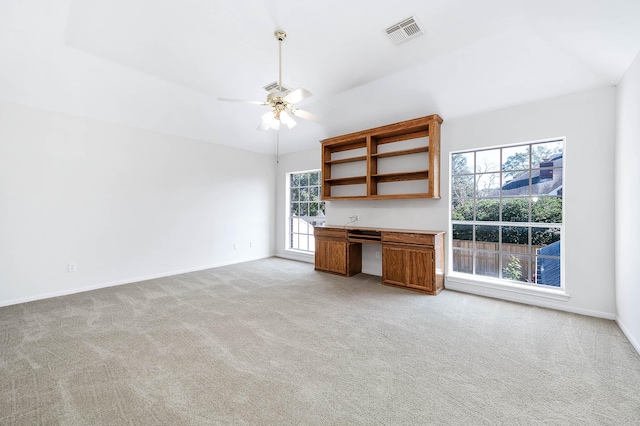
x: 287, y: 120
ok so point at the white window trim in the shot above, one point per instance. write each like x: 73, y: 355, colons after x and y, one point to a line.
x: 292, y: 253
x: 501, y: 288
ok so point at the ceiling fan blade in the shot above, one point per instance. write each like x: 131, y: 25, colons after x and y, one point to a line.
x: 263, y: 126
x: 297, y: 95
x: 307, y: 116
x: 243, y: 101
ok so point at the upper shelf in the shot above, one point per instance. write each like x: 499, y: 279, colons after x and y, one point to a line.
x: 425, y: 173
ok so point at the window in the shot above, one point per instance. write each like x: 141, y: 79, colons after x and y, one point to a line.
x: 506, y: 212
x: 305, y: 209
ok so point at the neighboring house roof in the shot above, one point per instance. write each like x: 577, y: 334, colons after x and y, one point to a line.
x: 549, y: 184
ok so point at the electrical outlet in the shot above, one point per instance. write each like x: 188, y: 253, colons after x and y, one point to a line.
x: 72, y: 267
x: 235, y: 246
x: 377, y: 255
x: 354, y: 218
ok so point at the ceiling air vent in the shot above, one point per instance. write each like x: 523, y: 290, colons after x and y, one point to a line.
x: 404, y: 31
x: 273, y: 88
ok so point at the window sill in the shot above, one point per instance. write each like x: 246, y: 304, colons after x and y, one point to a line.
x: 497, y: 288
x: 299, y: 255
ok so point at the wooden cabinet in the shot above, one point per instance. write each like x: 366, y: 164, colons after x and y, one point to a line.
x: 335, y: 254
x: 410, y: 259
x: 399, y: 160
x: 408, y: 266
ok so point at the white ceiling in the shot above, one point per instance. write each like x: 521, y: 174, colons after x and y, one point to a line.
x: 161, y: 64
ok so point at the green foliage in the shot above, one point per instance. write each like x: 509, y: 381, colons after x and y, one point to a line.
x: 488, y: 210
x: 547, y: 210
x: 513, y: 271
x: 515, y: 210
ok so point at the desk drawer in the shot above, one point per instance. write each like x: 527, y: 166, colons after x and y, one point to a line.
x: 330, y: 232
x: 407, y: 238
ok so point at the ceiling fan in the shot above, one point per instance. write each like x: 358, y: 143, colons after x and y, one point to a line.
x: 281, y: 99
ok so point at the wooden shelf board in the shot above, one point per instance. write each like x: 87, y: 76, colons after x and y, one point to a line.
x: 347, y: 160
x: 382, y: 139
x: 348, y: 197
x: 401, y: 196
x: 400, y: 177
x: 401, y: 152
x: 353, y: 180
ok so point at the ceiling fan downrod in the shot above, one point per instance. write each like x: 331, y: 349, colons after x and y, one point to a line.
x: 280, y: 36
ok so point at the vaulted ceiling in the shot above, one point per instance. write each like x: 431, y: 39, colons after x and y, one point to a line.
x: 161, y: 64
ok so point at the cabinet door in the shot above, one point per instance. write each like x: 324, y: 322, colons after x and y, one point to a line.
x: 331, y: 255
x: 419, y: 268
x: 393, y: 265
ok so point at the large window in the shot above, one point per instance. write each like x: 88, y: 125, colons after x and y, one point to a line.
x: 506, y: 212
x: 305, y: 209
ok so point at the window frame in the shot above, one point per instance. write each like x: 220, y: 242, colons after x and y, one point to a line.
x: 532, y: 253
x: 289, y: 217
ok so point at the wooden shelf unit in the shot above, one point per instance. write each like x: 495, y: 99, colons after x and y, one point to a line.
x: 424, y: 127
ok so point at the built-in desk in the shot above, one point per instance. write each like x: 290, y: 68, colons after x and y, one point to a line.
x: 411, y: 259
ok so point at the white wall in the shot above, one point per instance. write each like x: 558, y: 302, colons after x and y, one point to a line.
x: 587, y: 119
x: 123, y: 203
x: 628, y: 204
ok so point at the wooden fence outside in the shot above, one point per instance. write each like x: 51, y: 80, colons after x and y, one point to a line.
x: 488, y: 263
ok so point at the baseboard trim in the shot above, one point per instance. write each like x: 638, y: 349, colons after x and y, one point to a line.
x: 524, y: 299
x: 122, y: 282
x: 628, y: 335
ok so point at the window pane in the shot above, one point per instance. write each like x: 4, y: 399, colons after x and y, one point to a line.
x: 487, y: 264
x: 321, y: 209
x: 294, y: 242
x: 546, y: 210
x: 462, y: 233
x: 313, y: 209
x: 488, y: 234
x: 515, y: 267
x: 488, y: 185
x: 488, y: 210
x: 462, y: 187
x: 546, y: 150
x: 547, y: 271
x: 546, y: 182
x: 515, y: 159
x: 304, y: 179
x: 515, y: 210
x: 314, y: 178
x: 488, y: 161
x: 462, y: 163
x: 314, y: 193
x: 462, y: 210
x: 303, y: 242
x: 302, y: 211
x: 518, y: 235
x: 541, y: 237
x: 295, y: 194
x: 304, y: 194
x: 295, y: 179
x: 295, y: 209
x: 516, y: 184
x: 463, y: 261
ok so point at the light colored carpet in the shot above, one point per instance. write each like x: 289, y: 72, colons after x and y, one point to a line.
x: 274, y: 342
